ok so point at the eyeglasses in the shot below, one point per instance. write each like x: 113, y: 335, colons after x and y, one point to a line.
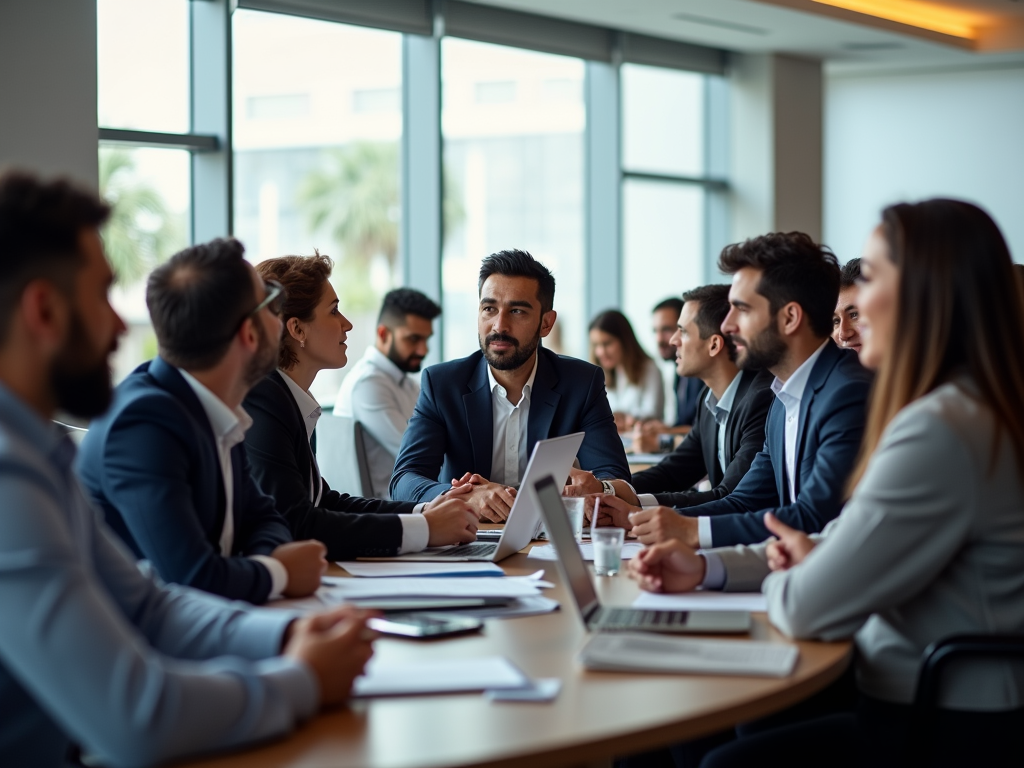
x: 274, y: 300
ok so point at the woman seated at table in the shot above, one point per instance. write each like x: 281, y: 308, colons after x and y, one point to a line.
x: 633, y: 380
x: 284, y: 414
x: 931, y: 542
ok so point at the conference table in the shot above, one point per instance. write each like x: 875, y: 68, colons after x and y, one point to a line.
x: 596, y: 717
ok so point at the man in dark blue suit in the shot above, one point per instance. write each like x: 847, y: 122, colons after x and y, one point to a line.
x: 783, y: 294
x: 478, y: 418
x: 166, y: 463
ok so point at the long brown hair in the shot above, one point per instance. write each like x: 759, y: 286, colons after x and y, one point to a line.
x: 634, y: 359
x: 960, y: 310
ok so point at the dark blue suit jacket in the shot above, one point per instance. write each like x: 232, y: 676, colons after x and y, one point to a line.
x: 151, y: 464
x: 832, y: 412
x: 451, y: 432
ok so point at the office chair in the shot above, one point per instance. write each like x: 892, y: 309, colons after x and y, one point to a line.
x: 937, y: 658
x: 340, y: 446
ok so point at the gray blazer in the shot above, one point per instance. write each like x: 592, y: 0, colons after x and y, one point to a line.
x: 931, y: 544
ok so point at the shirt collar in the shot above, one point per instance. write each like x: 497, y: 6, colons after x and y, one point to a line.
x: 47, y: 437
x: 527, y: 388
x: 384, y: 363
x: 229, y: 425
x: 722, y: 408
x: 308, y: 405
x: 794, y: 386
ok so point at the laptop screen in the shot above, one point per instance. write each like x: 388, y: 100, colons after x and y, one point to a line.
x: 556, y: 521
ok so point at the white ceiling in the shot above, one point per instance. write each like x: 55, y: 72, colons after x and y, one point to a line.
x: 798, y: 27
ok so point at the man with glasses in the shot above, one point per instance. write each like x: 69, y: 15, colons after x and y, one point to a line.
x: 167, y: 464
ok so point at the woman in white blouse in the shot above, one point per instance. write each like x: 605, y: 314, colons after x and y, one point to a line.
x: 632, y: 378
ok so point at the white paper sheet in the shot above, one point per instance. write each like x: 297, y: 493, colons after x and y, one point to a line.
x: 438, y: 676
x: 636, y: 652
x: 521, y: 606
x: 429, y: 586
x: 391, y: 568
x: 703, y: 601
x: 547, y: 551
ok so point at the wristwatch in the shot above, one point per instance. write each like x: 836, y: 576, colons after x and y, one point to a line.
x: 609, y: 489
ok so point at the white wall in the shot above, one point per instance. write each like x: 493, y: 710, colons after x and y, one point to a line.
x: 893, y: 137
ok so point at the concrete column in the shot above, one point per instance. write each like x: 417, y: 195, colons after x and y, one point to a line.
x: 48, y: 88
x: 776, y: 131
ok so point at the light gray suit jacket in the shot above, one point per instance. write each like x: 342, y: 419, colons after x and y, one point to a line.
x: 931, y: 544
x: 93, y: 652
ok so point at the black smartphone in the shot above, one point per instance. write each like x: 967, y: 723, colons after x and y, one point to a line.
x: 424, y: 625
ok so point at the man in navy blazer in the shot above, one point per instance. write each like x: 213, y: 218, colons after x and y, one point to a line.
x: 478, y: 418
x: 166, y: 463
x: 783, y: 293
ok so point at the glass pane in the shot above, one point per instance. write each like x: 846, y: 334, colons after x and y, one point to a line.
x: 662, y: 120
x: 663, y: 241
x: 150, y: 190
x: 317, y: 129
x: 143, y: 67
x: 513, y: 125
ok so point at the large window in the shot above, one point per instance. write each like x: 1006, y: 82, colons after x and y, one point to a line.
x: 317, y: 121
x: 513, y: 124
x: 143, y: 85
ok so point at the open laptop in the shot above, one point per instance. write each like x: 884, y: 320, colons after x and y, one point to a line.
x: 599, y: 618
x: 551, y: 457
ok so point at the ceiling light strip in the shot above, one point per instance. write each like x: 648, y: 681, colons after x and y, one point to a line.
x: 918, y: 15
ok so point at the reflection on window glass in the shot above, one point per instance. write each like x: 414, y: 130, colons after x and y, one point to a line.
x: 663, y: 246
x: 662, y: 120
x: 149, y: 190
x: 317, y: 127
x: 513, y: 125
x: 143, y: 64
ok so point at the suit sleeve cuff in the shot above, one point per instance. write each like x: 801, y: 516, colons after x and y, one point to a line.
x: 415, y: 533
x: 714, y: 573
x: 418, y: 509
x: 704, y: 532
x: 278, y: 574
x: 647, y: 500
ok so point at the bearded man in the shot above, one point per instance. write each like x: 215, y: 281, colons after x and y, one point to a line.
x: 783, y: 293
x: 478, y: 418
x: 167, y: 464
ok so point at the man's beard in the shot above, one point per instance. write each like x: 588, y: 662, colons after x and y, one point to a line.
x: 79, y: 377
x: 410, y: 364
x: 265, y: 359
x: 667, y: 352
x: 513, y: 360
x: 762, y: 351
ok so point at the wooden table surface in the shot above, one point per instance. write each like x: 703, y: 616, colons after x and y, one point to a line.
x: 597, y: 716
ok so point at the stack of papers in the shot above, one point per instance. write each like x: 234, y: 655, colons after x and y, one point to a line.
x: 392, y: 568
x: 703, y: 601
x: 431, y: 586
x: 439, y: 676
x: 547, y: 551
x: 637, y: 652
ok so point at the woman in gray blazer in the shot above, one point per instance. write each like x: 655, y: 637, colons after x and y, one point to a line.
x: 931, y: 542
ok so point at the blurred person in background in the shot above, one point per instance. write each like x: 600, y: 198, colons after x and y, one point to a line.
x: 845, y: 331
x: 632, y: 378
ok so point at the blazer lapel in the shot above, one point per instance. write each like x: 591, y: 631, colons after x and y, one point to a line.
x: 288, y: 401
x: 543, y: 400
x: 819, y: 374
x: 709, y: 442
x: 777, y: 447
x: 480, y: 419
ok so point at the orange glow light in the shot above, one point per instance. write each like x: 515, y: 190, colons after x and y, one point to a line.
x: 947, y: 21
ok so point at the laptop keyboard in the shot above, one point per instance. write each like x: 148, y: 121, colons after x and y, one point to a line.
x: 474, y: 549
x: 631, y: 618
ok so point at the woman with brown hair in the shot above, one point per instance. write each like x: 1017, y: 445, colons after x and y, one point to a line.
x: 285, y: 415
x: 633, y: 381
x: 931, y: 542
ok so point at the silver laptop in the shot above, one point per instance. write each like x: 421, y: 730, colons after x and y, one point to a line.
x: 599, y: 618
x: 553, y: 456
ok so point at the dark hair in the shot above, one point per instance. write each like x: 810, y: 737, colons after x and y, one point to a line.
x: 198, y: 300
x: 401, y: 302
x: 303, y: 278
x: 676, y: 305
x: 849, y: 273
x: 40, y: 226
x: 634, y: 359
x: 793, y: 268
x: 959, y: 310
x: 516, y: 263
x: 713, y: 301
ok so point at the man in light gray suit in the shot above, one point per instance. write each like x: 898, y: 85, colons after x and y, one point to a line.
x: 92, y: 652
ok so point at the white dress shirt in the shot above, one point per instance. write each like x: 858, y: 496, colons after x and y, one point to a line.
x: 645, y: 400
x: 229, y: 428
x: 380, y: 396
x: 509, y: 454
x: 415, y: 529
